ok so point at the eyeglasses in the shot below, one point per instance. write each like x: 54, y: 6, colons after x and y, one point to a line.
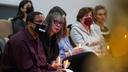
x: 58, y: 22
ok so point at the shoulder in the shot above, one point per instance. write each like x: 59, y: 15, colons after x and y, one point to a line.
x: 76, y: 26
x: 95, y: 26
x: 18, y: 36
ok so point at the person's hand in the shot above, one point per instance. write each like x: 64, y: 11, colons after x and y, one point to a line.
x: 78, y: 49
x: 66, y: 64
x: 57, y: 63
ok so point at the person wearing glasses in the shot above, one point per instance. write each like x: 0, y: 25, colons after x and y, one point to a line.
x: 24, y: 52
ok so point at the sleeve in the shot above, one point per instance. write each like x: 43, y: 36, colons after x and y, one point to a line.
x: 22, y: 57
x: 77, y: 38
x: 62, y: 53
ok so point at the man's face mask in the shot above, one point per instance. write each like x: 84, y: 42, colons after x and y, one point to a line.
x: 39, y: 28
x: 29, y: 10
x: 88, y: 21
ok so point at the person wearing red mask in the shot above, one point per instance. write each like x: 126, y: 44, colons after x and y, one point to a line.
x: 82, y: 33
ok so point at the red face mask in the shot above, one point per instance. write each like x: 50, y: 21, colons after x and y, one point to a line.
x: 88, y: 21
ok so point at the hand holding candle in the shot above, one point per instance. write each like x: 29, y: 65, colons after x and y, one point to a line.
x: 78, y: 49
x: 66, y: 64
x: 57, y: 63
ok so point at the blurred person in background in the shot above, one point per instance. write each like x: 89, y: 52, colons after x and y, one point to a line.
x: 19, y: 22
x: 100, y: 15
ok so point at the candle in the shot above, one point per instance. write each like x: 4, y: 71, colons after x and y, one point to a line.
x: 66, y: 64
x: 125, y: 36
x: 108, y: 47
x: 59, y: 60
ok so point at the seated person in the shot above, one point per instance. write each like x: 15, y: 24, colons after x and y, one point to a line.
x: 83, y: 33
x: 100, y: 15
x: 24, y: 51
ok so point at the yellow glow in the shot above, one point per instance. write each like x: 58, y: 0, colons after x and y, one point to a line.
x: 108, y: 47
x: 125, y: 36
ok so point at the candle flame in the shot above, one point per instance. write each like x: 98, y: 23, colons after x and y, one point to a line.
x: 125, y: 36
x: 66, y: 64
x: 108, y: 47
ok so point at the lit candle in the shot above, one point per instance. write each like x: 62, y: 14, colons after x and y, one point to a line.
x: 66, y: 63
x: 59, y: 60
x: 108, y: 47
x: 125, y: 36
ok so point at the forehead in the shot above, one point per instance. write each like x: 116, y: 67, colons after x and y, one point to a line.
x: 88, y: 14
x: 101, y: 11
x: 39, y: 17
x: 58, y: 17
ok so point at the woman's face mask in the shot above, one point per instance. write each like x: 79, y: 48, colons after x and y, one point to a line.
x: 88, y: 21
x: 29, y: 10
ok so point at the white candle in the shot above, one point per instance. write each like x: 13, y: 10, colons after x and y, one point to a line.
x: 59, y: 60
x: 66, y: 64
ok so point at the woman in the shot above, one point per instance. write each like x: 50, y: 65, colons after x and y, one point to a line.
x: 18, y: 23
x: 83, y: 33
x: 54, y: 23
x: 63, y: 41
x: 100, y: 14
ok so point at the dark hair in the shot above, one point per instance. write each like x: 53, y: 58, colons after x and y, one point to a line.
x: 62, y: 13
x: 49, y: 20
x: 21, y: 5
x: 31, y: 16
x: 83, y: 11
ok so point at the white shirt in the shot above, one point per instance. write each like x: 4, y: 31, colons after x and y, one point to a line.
x: 92, y: 41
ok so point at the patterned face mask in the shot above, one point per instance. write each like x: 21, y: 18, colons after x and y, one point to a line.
x: 88, y: 21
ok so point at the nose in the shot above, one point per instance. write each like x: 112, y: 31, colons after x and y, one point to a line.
x: 58, y: 25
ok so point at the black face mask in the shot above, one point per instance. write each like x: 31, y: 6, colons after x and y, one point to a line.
x: 29, y: 10
x: 39, y: 28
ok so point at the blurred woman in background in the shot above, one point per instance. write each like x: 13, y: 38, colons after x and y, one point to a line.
x: 19, y: 22
x: 100, y: 14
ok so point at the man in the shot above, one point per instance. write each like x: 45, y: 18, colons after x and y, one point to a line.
x: 24, y: 51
